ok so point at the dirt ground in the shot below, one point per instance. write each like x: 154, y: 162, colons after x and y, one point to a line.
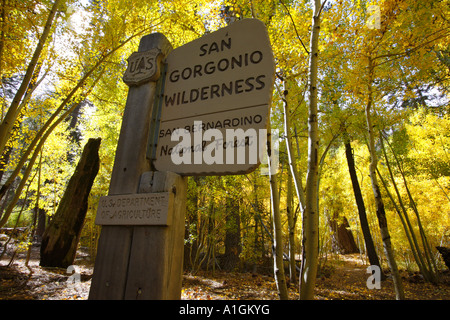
x: 343, y: 279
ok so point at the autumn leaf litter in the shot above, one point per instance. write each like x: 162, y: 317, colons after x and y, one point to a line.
x: 344, y: 279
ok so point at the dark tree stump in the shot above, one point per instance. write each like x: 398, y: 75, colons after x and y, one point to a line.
x: 60, y: 239
x: 445, y: 253
x: 342, y: 238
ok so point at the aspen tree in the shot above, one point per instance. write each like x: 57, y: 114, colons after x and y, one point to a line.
x: 381, y: 214
x: 311, y: 216
x: 14, y: 109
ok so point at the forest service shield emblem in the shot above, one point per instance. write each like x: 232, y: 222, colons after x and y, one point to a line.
x: 142, y: 67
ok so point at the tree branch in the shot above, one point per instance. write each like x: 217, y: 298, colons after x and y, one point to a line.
x: 295, y: 28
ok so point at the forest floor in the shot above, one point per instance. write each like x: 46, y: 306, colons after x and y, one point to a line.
x: 344, y: 278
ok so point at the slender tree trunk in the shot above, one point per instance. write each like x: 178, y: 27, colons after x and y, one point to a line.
x: 19, y: 119
x: 381, y: 214
x: 36, y: 213
x: 41, y: 222
x: 368, y: 240
x: 310, y: 248
x: 291, y: 227
x: 14, y: 108
x: 406, y: 227
x: 427, y: 248
x: 259, y: 242
x: 3, y: 17
x: 191, y: 243
x: 425, y: 268
x: 277, y: 239
x: 293, y: 178
x: 232, y: 235
x: 293, y: 168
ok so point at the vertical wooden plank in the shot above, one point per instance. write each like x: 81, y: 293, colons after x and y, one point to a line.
x: 174, y: 271
x: 156, y: 259
x: 113, y: 251
x: 109, y: 279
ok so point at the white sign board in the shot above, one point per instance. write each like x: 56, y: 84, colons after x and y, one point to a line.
x: 217, y: 92
x: 134, y: 209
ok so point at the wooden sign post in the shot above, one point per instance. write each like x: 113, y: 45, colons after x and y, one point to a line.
x: 221, y: 82
x: 140, y: 250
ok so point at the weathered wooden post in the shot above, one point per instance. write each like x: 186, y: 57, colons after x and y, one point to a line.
x: 140, y: 250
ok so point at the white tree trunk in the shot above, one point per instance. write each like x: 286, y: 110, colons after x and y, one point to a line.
x: 311, y: 215
x: 381, y: 214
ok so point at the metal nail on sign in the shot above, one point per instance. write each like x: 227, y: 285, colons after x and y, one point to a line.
x: 143, y: 67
